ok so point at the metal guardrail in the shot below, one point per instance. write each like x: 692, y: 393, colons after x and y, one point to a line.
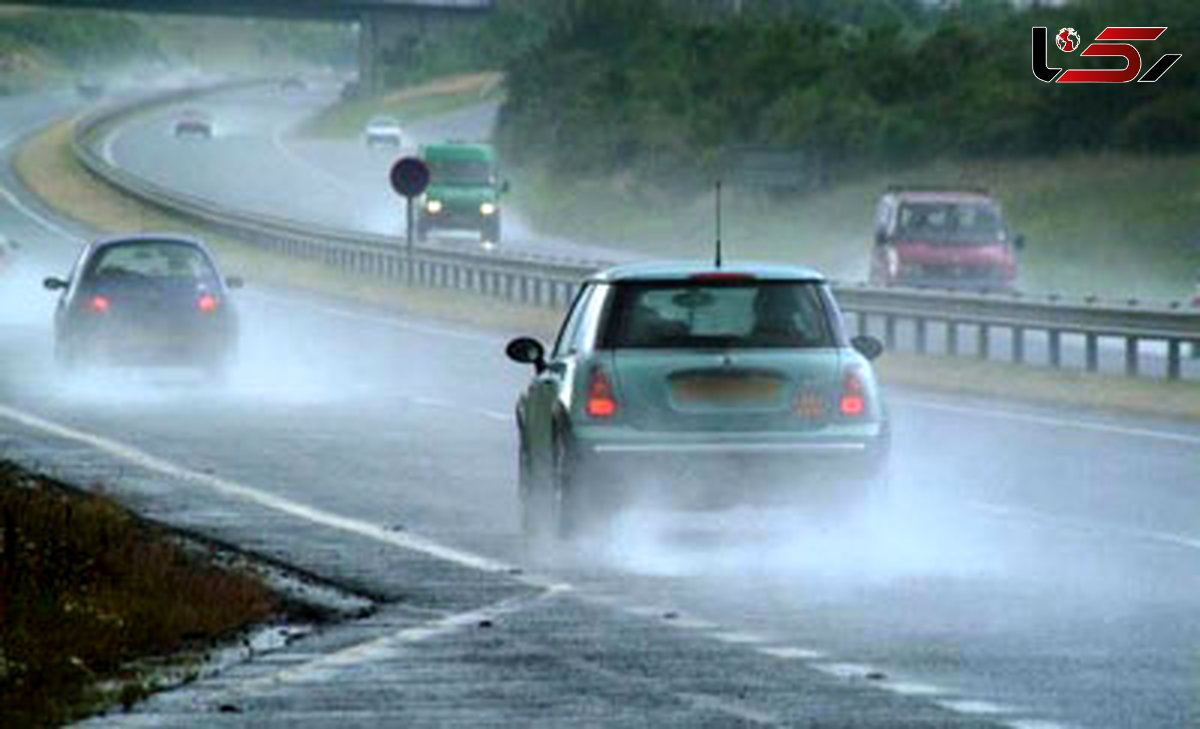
x: 547, y: 281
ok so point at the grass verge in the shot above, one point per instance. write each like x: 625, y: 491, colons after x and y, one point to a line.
x: 85, y: 588
x: 1114, y: 225
x: 408, y: 105
x: 47, y: 167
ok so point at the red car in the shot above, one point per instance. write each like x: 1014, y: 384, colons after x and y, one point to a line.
x: 945, y: 239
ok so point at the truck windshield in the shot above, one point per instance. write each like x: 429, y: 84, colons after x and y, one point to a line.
x: 951, y: 223
x: 460, y: 172
x: 698, y: 315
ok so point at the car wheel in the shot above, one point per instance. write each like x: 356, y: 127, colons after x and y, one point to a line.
x: 490, y: 232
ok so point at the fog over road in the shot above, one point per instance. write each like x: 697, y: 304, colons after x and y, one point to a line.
x: 1040, y: 567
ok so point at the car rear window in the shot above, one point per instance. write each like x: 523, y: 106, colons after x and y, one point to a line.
x: 156, y: 260
x: 701, y: 315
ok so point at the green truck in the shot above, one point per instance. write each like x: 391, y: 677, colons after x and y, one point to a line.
x: 464, y: 190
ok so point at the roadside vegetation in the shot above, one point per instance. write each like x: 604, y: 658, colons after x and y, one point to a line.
x: 39, y: 48
x: 46, y: 166
x: 86, y: 588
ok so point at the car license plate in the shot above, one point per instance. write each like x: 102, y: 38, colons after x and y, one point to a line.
x: 726, y: 389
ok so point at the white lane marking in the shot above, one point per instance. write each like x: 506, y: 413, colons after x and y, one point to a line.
x: 1033, y: 724
x: 909, y: 688
x: 392, y: 322
x: 737, y: 637
x: 312, y: 514
x: 972, y: 706
x: 644, y: 611
x: 846, y: 670
x: 332, y: 180
x: 36, y: 217
x: 106, y: 148
x: 1055, y: 422
x: 1006, y: 511
x: 790, y: 653
x: 386, y: 648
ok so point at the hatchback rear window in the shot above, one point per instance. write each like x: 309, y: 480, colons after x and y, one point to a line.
x: 152, y: 260
x: 704, y: 315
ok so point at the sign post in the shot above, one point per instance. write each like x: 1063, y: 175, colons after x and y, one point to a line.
x: 409, y: 177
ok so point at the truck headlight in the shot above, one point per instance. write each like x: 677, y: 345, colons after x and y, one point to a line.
x: 433, y: 206
x: 488, y: 208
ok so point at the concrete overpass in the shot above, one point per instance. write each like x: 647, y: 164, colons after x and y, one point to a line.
x: 394, y: 29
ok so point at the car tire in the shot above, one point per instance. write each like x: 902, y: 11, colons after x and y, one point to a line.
x: 550, y: 505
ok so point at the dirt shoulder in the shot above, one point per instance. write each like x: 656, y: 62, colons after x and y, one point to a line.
x: 87, y: 589
x: 46, y: 166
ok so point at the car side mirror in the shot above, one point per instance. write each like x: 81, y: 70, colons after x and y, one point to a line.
x: 527, y: 350
x: 867, y: 346
x: 1019, y: 242
x: 234, y: 282
x: 51, y: 283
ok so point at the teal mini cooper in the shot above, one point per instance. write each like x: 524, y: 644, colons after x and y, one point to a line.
x: 691, y: 384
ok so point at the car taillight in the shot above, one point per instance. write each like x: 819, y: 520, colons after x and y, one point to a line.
x: 852, y: 402
x: 601, y: 403
x: 207, y: 303
x: 99, y: 304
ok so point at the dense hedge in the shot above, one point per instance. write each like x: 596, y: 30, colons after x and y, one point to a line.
x: 634, y: 86
x: 78, y: 39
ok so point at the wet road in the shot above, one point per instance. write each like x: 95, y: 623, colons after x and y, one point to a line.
x: 1040, y: 567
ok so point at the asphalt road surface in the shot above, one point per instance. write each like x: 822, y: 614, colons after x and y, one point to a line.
x: 1039, y: 567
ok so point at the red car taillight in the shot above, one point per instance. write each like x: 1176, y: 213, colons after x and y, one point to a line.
x: 99, y: 304
x: 601, y: 403
x: 207, y: 303
x: 852, y: 402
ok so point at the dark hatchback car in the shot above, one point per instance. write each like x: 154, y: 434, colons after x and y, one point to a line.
x: 690, y: 385
x: 145, y: 300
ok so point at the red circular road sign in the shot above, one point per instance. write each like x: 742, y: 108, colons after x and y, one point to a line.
x: 409, y: 176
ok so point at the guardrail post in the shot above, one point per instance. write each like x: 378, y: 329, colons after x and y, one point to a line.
x: 1018, y: 345
x: 985, y: 341
x: 1091, y: 350
x: 1055, y: 346
x: 889, y: 331
x: 1173, y: 364
x: 920, y: 334
x: 952, y: 338
x: 1131, y: 356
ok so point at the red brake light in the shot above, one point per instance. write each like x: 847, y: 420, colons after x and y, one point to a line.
x: 99, y: 304
x: 207, y: 303
x: 600, y: 400
x: 853, y: 401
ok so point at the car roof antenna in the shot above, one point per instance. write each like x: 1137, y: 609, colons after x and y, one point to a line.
x: 718, y: 224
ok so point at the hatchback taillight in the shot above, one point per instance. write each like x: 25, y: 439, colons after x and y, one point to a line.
x: 601, y: 402
x: 207, y: 303
x: 852, y: 402
x: 99, y: 304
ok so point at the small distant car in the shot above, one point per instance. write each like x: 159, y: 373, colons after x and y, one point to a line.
x: 145, y: 300
x: 383, y: 131
x: 943, y: 238
x: 293, y: 83
x: 193, y: 123
x: 685, y: 383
